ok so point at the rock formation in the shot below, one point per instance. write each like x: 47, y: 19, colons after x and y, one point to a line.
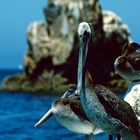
x: 53, y: 44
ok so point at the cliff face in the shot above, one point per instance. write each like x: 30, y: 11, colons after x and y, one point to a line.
x: 53, y: 44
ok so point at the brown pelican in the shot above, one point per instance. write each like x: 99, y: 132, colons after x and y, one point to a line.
x: 128, y: 66
x: 104, y: 109
x: 69, y: 113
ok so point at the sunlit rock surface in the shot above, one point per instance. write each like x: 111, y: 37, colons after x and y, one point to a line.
x: 43, y: 46
x: 133, y: 97
x: 112, y: 23
x: 53, y: 44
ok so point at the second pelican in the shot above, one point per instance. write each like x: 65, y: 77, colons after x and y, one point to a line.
x: 69, y: 113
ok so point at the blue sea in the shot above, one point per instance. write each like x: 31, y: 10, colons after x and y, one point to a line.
x: 20, y: 111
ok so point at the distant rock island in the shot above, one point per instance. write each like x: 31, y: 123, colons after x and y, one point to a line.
x: 50, y: 62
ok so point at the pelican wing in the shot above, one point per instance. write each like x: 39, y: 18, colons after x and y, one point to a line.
x: 76, y: 107
x: 117, y: 108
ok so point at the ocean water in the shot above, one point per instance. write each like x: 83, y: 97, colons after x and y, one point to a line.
x: 20, y: 111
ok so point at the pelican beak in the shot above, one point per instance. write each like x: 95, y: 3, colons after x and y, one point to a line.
x: 44, y: 118
x: 65, y: 95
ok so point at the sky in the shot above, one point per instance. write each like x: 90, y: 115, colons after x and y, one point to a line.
x: 16, y: 15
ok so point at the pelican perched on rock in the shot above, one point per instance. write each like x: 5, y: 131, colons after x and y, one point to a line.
x: 104, y: 109
x: 69, y: 113
x: 128, y: 66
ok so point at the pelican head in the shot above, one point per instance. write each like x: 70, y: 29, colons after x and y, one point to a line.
x: 83, y: 29
x: 128, y: 64
x: 84, y: 34
x: 71, y: 92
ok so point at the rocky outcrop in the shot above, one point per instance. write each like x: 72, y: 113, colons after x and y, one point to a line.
x: 112, y: 23
x: 46, y: 83
x: 42, y: 47
x: 53, y: 44
x: 116, y: 35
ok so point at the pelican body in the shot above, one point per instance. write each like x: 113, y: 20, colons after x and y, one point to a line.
x: 104, y: 109
x: 69, y: 113
x: 128, y: 66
